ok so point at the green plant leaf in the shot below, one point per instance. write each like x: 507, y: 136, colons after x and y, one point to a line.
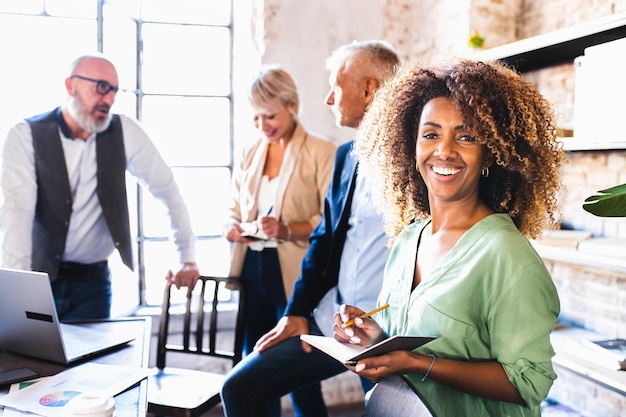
x: 607, y: 203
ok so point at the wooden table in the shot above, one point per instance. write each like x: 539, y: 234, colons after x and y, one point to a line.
x: 131, y: 403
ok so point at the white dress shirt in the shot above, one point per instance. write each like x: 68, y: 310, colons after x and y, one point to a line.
x: 88, y: 239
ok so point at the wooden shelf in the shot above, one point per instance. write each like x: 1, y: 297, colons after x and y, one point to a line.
x: 575, y: 257
x: 573, y: 144
x: 557, y: 47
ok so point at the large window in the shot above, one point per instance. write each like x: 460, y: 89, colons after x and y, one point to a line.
x: 174, y: 60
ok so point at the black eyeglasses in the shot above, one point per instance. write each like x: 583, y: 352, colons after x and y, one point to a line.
x: 102, y: 87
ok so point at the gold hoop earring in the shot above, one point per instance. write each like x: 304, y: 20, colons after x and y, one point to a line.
x: 484, y: 172
x: 417, y: 166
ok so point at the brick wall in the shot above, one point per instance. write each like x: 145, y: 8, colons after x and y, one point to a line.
x: 591, y: 298
x: 586, y: 397
x: 586, y: 173
x: 540, y: 16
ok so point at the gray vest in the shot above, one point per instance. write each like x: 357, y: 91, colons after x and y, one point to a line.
x: 54, y: 199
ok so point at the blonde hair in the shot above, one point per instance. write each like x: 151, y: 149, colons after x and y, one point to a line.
x: 505, y: 112
x: 274, y: 83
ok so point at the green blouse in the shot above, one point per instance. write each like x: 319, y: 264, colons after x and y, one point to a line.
x: 490, y: 298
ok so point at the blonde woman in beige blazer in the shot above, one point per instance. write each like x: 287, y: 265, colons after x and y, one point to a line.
x: 278, y: 196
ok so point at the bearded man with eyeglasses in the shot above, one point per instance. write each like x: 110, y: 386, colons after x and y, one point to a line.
x: 65, y: 207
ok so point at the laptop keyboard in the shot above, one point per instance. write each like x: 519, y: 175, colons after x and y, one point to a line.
x: 76, y: 348
x: 80, y: 341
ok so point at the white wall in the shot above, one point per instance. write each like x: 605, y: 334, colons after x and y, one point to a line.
x: 300, y: 35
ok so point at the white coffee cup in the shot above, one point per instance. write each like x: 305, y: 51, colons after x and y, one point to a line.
x: 90, y: 404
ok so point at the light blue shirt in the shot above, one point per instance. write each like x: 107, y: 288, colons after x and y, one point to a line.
x: 362, y: 261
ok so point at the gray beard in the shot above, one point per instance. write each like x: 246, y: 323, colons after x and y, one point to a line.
x: 86, y: 122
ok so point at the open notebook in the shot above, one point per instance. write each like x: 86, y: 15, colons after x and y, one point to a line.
x: 29, y: 324
x: 349, y: 354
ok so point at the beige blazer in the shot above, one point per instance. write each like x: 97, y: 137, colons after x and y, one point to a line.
x: 304, y: 176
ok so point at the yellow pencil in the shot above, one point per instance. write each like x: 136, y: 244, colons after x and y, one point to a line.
x: 369, y: 313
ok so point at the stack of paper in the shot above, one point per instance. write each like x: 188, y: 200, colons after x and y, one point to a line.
x: 614, y: 350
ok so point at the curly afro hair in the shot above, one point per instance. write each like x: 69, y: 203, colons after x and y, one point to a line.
x: 505, y: 112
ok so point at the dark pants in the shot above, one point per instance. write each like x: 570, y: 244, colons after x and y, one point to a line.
x: 253, y: 388
x: 266, y: 302
x: 83, y: 292
x: 266, y: 299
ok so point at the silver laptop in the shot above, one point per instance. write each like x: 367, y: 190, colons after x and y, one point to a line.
x: 29, y: 323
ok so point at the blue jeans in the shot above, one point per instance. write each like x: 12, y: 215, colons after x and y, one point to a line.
x: 83, y: 292
x: 254, y: 386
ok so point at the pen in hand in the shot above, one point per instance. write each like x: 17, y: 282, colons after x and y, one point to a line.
x: 269, y: 210
x: 369, y: 313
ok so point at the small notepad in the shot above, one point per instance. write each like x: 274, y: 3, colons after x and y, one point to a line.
x: 347, y: 353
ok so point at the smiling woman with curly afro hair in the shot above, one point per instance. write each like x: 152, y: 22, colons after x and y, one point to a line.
x: 464, y: 163
x: 504, y: 112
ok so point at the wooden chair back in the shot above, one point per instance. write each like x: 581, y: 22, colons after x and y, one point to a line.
x: 182, y: 392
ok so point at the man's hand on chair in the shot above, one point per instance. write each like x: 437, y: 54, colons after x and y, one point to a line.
x: 187, y: 276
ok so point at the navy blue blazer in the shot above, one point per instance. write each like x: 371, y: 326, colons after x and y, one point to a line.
x: 320, y: 266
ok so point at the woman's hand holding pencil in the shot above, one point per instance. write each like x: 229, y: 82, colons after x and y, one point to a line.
x: 353, y: 326
x: 369, y: 313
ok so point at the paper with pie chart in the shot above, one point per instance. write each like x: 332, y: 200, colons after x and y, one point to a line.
x: 9, y: 412
x: 48, y: 396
